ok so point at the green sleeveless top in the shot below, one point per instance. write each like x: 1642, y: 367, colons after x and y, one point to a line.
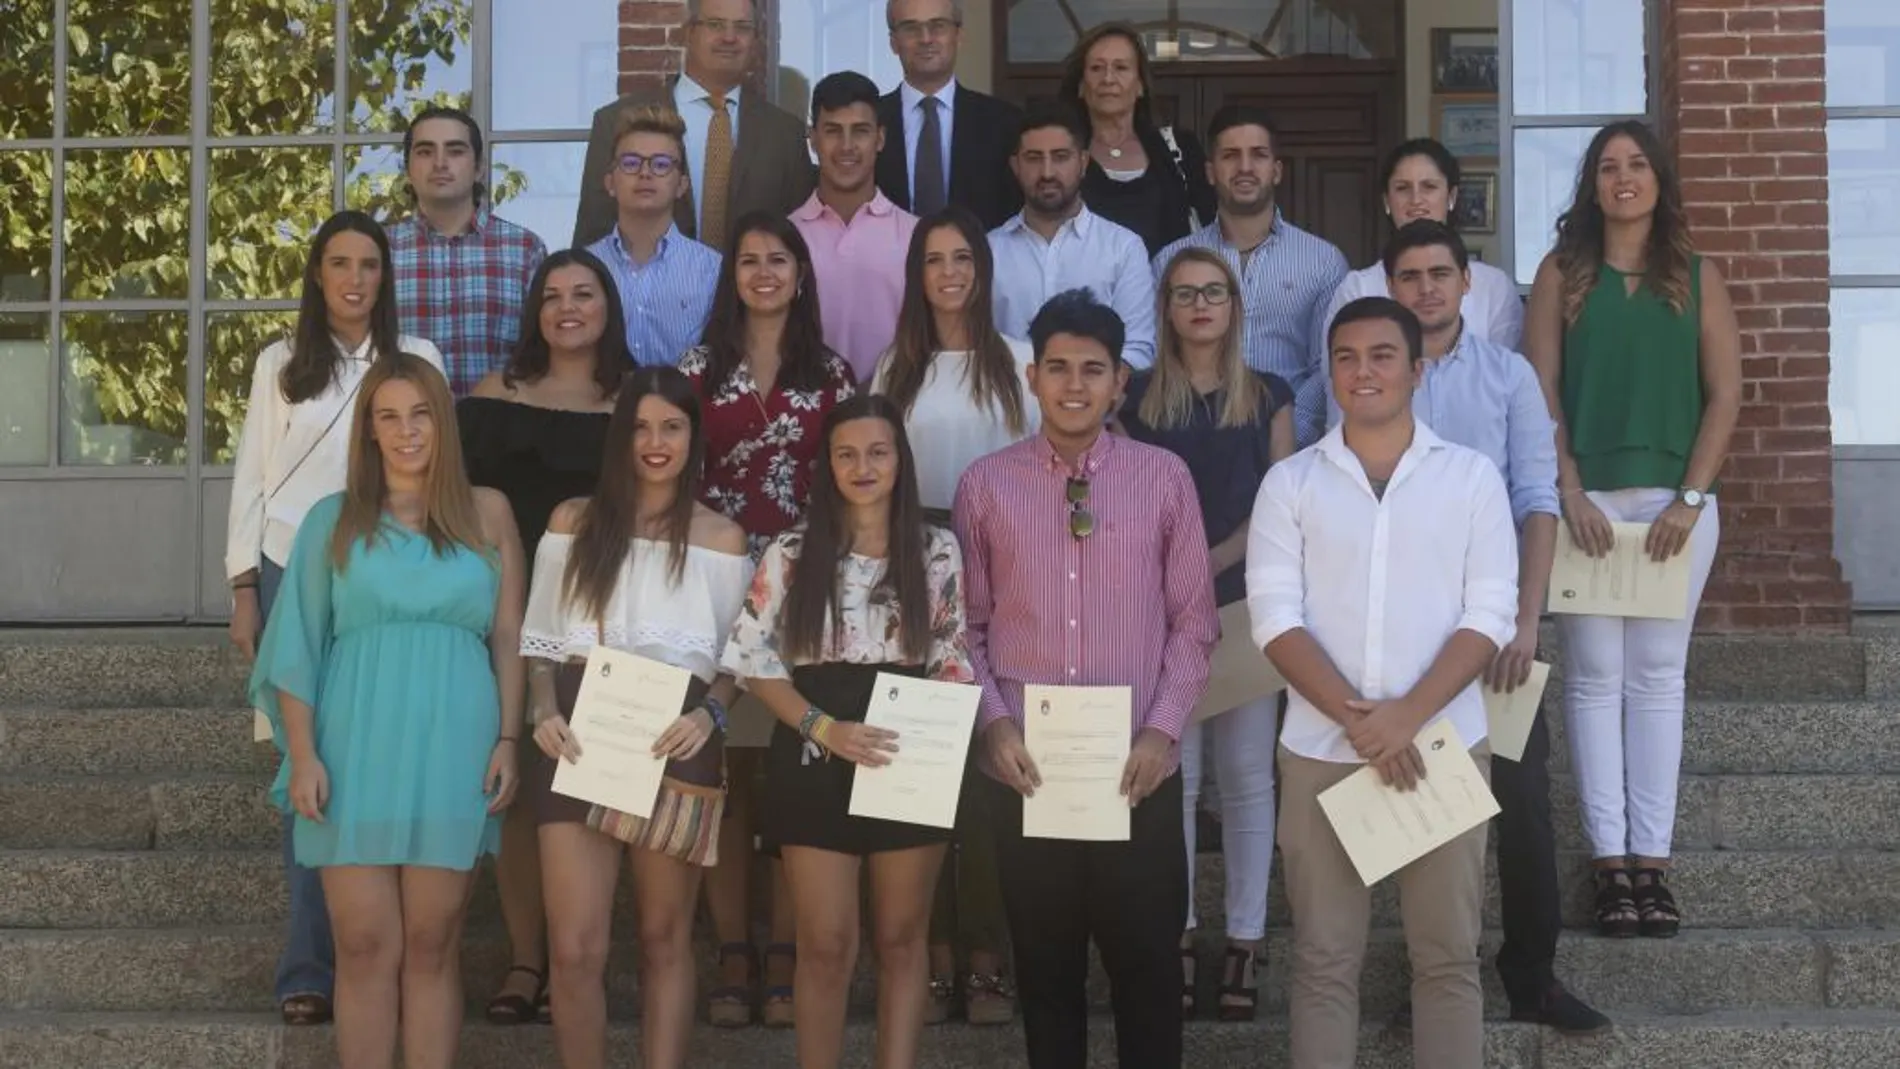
x: 1632, y: 384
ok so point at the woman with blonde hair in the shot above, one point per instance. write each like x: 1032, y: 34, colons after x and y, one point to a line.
x: 391, y: 674
x: 1229, y: 424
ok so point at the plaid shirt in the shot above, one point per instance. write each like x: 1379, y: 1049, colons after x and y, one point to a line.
x: 464, y: 293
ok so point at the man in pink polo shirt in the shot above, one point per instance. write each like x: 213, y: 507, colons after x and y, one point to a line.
x: 858, y: 238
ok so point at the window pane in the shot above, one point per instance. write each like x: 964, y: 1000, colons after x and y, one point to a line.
x: 1863, y: 163
x: 404, y: 57
x: 232, y: 342
x: 1864, y: 375
x: 1545, y: 179
x: 1863, y: 53
x: 273, y: 67
x: 562, y: 61
x: 538, y: 185
x: 128, y: 223
x: 1578, y: 57
x: 26, y: 225
x: 26, y: 390
x: 128, y: 68
x: 264, y: 205
x: 26, y: 68
x: 374, y: 181
x: 124, y: 388
x: 1043, y: 31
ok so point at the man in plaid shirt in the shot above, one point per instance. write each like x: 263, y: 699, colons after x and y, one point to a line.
x: 461, y: 270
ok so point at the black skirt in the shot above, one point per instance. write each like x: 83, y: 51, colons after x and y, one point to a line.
x: 808, y: 803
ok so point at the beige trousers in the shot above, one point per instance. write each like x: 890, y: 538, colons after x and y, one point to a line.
x: 1441, y: 900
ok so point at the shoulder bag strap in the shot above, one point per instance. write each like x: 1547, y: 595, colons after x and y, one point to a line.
x: 348, y: 403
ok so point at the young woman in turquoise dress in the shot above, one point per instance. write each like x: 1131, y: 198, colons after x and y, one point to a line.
x: 391, y: 673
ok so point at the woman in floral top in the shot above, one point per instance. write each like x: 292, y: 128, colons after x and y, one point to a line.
x: 864, y: 587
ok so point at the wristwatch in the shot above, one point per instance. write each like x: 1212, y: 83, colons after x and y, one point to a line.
x: 1691, y: 497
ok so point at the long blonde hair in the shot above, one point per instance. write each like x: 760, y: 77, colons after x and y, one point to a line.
x: 1170, y: 399
x: 449, y: 517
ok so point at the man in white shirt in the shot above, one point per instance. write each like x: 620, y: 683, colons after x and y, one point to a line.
x: 1381, y: 580
x: 1056, y: 244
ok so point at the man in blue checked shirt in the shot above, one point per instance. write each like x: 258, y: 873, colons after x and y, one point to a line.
x: 1479, y: 394
x: 461, y: 270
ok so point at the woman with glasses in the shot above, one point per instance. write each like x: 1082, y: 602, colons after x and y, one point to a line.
x: 864, y: 587
x: 1229, y: 424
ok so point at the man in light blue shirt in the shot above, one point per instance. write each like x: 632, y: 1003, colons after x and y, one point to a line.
x: 1056, y: 244
x: 1481, y: 395
x: 1287, y: 275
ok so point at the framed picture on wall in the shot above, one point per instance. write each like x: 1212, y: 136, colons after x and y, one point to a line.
x: 1467, y: 125
x: 1465, y: 61
x: 1476, y: 209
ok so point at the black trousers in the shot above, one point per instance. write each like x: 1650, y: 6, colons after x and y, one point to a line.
x: 1527, y: 871
x: 1130, y: 898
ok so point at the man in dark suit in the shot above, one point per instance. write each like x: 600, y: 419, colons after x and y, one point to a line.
x: 967, y: 163
x: 754, y: 152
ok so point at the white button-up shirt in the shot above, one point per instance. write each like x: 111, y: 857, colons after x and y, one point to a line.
x: 694, y: 104
x: 1087, y: 252
x: 1381, y: 583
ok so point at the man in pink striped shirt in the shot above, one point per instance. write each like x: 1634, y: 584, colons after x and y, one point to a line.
x: 1085, y: 564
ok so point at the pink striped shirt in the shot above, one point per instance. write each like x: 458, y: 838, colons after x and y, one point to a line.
x: 1130, y: 605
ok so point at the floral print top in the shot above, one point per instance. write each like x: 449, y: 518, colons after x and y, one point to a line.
x: 760, y: 449
x: 868, y: 611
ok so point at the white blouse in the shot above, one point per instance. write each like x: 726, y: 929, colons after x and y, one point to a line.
x: 291, y: 456
x: 948, y: 431
x: 1492, y: 310
x: 684, y: 626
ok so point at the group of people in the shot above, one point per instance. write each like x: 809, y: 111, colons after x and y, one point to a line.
x: 989, y: 398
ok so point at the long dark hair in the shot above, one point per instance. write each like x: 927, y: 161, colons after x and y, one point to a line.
x: 1075, y: 68
x: 1579, y: 251
x: 606, y: 528
x: 812, y: 609
x: 314, y: 356
x: 802, y: 351
x: 994, y: 382
x: 529, y: 361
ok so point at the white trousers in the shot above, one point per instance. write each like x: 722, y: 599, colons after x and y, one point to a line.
x: 1623, y: 698
x: 1243, y: 743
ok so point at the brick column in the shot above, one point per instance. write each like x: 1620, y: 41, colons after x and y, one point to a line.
x: 651, y: 36
x: 1743, y: 101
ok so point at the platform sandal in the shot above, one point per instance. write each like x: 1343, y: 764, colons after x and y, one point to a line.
x: 1656, y: 909
x: 1616, y: 915
x: 1240, y: 986
x: 508, y: 1009
x: 730, y: 1005
x: 777, y: 1011
x: 1190, y: 983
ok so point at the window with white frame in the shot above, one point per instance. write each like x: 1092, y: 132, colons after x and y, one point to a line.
x: 1863, y: 162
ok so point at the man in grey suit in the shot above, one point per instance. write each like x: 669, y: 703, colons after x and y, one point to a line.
x: 736, y: 140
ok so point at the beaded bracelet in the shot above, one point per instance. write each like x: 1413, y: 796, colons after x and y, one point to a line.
x: 715, y: 709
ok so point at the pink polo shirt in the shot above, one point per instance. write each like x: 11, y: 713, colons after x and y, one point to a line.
x: 860, y: 268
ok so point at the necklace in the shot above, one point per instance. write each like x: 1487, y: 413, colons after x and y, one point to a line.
x: 1115, y: 150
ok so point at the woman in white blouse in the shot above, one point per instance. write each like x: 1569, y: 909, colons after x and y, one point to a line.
x: 641, y: 567
x: 1421, y: 182
x: 864, y: 586
x: 293, y: 452
x: 962, y: 387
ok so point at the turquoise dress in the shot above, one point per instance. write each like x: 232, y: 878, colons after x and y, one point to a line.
x: 392, y: 654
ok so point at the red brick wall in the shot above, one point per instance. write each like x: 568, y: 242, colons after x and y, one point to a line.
x: 651, y: 37
x: 1743, y: 99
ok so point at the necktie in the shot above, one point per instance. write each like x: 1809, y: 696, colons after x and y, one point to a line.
x: 718, y: 177
x: 928, y: 181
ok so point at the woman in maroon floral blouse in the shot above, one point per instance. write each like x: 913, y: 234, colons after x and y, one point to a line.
x: 766, y: 382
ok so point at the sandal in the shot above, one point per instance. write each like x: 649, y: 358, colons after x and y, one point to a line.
x: 987, y: 999
x: 1240, y: 986
x: 1190, y: 987
x: 514, y: 1009
x: 942, y: 990
x: 1616, y: 914
x: 303, y: 1010
x: 730, y: 1005
x: 1659, y: 917
x: 777, y: 1012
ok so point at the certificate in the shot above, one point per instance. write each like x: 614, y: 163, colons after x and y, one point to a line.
x: 1384, y: 829
x: 625, y: 703
x: 1239, y: 671
x: 261, y: 730
x: 1624, y: 583
x: 1512, y: 715
x: 933, y: 722
x: 1079, y: 738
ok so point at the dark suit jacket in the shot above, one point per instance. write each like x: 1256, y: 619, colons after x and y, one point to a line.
x: 982, y: 138
x: 771, y: 165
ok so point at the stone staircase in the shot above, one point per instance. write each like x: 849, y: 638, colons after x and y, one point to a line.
x: 140, y: 896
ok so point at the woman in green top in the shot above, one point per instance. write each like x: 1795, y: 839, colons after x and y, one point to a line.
x: 1635, y: 342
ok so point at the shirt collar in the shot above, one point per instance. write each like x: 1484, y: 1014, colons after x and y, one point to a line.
x: 1465, y: 338
x: 1087, y: 467
x: 362, y: 352
x: 659, y: 251
x: 1082, y: 222
x: 1274, y: 232
x: 814, y: 209
x: 1333, y: 447
x: 913, y: 98
x: 688, y: 91
x: 477, y: 223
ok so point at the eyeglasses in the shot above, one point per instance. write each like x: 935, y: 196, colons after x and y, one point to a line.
x: 659, y: 165
x: 917, y: 31
x: 1081, y: 520
x: 1214, y: 293
x: 742, y: 27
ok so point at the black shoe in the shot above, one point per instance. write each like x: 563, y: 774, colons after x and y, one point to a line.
x: 1565, y: 1012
